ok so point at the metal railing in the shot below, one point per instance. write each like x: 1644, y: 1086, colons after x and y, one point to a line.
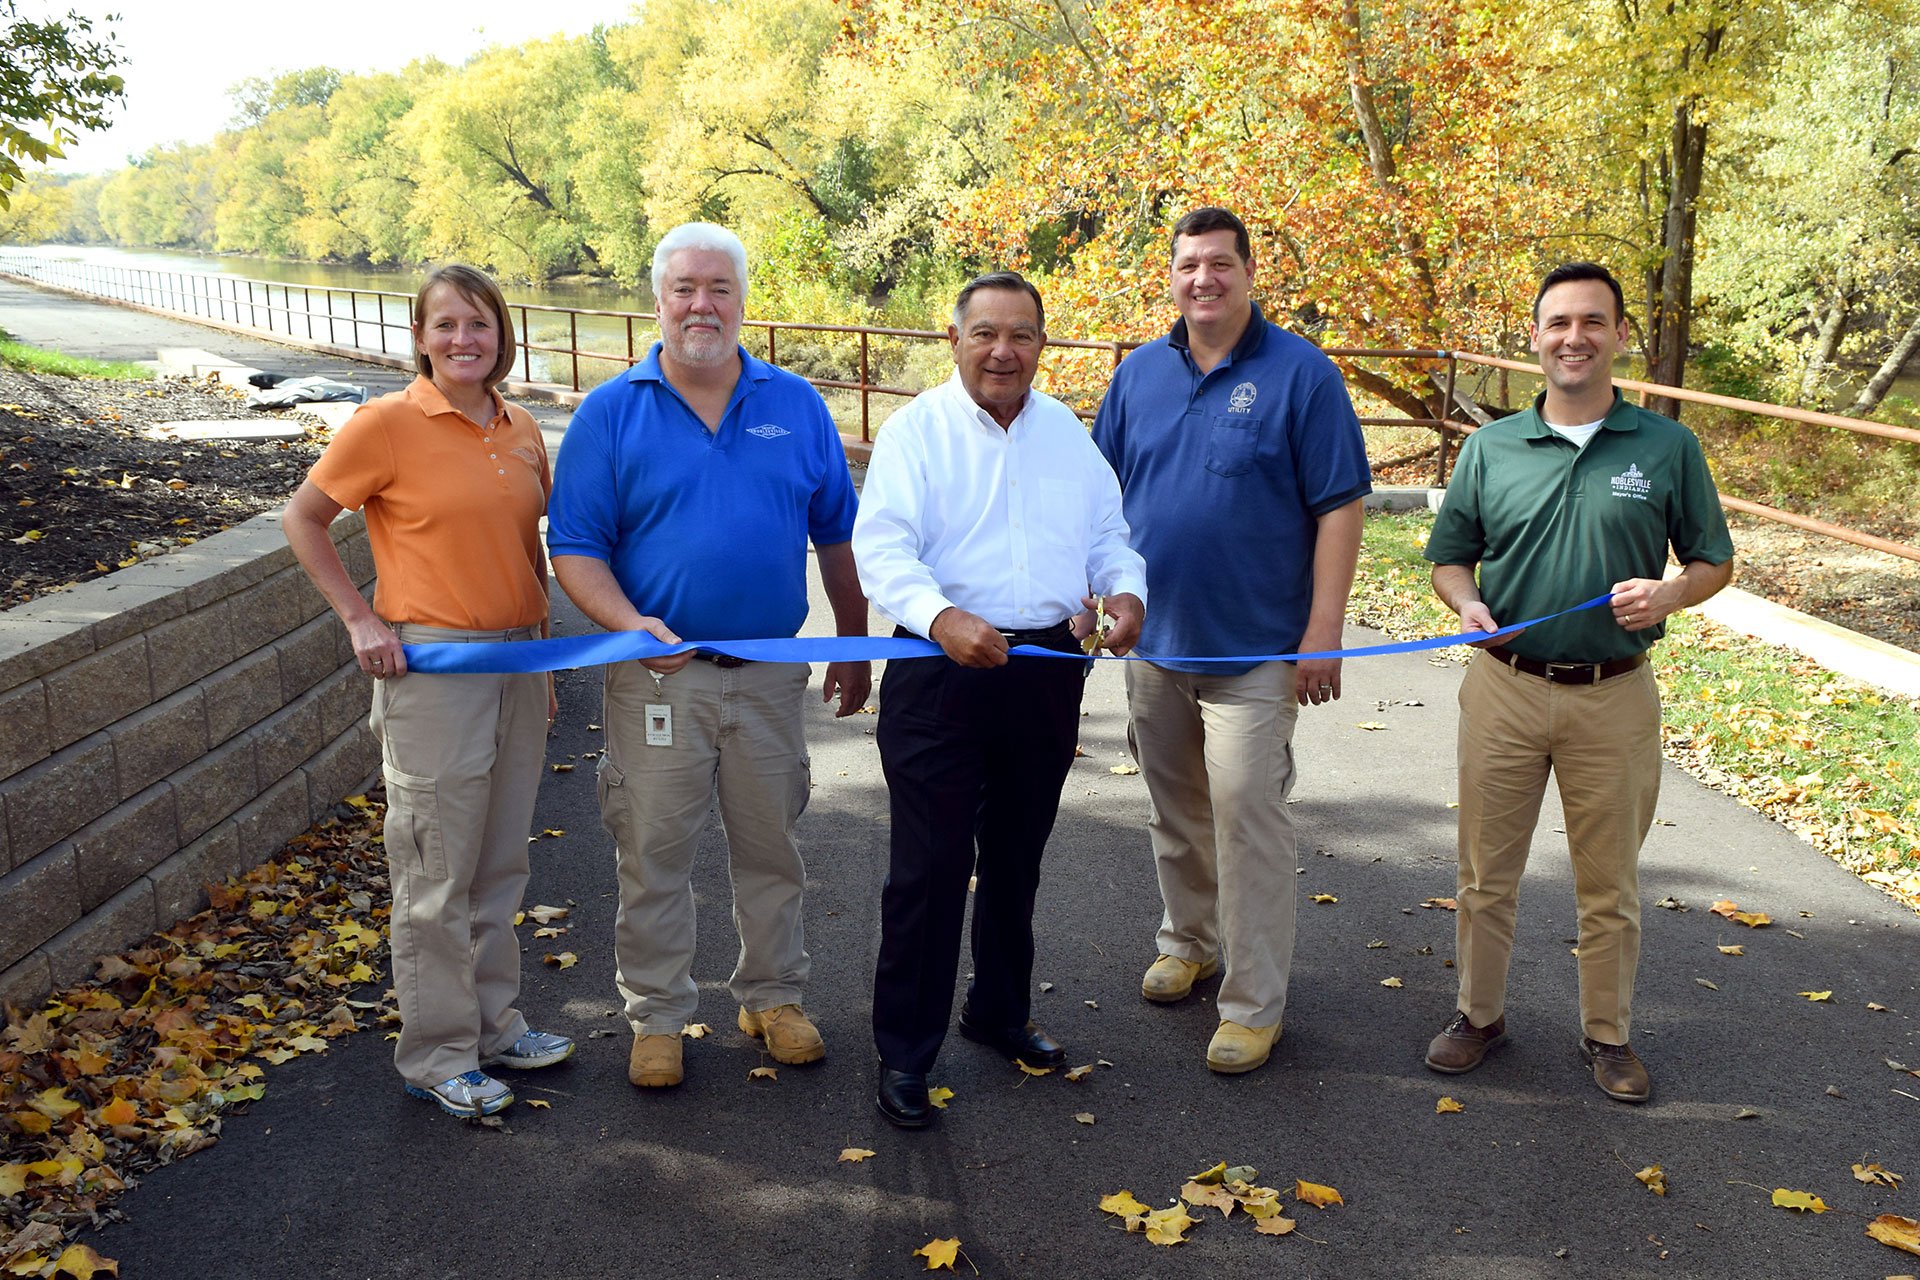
x: 375, y: 324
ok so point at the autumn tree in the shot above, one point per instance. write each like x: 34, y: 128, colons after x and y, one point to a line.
x: 56, y: 77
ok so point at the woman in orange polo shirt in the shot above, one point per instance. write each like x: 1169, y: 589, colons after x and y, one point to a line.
x: 453, y: 481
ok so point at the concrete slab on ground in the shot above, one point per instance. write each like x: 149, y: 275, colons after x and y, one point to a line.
x: 236, y: 429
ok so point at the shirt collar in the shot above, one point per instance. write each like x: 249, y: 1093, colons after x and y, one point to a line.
x: 433, y: 402
x: 961, y: 396
x: 1251, y: 339
x: 1619, y: 418
x: 752, y: 369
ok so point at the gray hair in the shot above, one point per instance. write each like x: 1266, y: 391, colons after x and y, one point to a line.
x: 699, y: 235
x: 1011, y: 281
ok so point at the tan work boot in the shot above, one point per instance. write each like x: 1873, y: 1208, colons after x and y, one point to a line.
x: 791, y: 1038
x: 1236, y: 1048
x: 655, y: 1061
x: 1170, y: 978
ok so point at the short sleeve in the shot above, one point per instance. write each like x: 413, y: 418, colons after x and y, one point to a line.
x: 358, y: 462
x: 1458, y: 536
x: 1698, y: 526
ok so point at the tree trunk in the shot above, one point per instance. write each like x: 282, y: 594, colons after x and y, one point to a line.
x: 1877, y: 387
x: 1833, y: 327
x: 1670, y: 327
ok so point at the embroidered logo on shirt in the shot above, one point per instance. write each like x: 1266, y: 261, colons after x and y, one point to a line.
x: 527, y: 456
x: 1632, y: 484
x: 1242, y: 398
x: 767, y: 431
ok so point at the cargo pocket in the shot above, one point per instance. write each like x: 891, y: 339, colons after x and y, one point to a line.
x: 611, y: 785
x: 413, y: 825
x: 802, y: 790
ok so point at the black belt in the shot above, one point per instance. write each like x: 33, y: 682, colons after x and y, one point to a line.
x: 725, y: 661
x: 1058, y: 631
x: 1567, y: 672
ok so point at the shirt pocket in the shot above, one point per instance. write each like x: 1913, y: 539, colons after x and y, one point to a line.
x: 1061, y: 517
x: 413, y: 825
x: 1233, y: 444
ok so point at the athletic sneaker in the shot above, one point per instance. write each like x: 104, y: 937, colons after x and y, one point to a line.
x: 532, y: 1049
x: 467, y: 1096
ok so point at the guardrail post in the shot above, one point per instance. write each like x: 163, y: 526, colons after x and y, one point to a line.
x: 573, y: 344
x: 866, y: 393
x: 1445, y: 436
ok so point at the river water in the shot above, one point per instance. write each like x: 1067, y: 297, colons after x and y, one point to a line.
x: 338, y: 304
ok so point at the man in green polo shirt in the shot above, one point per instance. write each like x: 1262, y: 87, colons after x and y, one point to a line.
x: 1579, y: 495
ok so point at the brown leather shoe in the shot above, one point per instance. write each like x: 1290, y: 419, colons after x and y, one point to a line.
x: 1462, y: 1046
x: 654, y: 1062
x: 1617, y: 1070
x: 791, y: 1037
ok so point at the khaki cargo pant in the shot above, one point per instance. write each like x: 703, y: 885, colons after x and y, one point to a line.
x: 461, y: 757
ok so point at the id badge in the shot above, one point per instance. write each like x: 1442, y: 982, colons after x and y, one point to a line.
x: 659, y: 724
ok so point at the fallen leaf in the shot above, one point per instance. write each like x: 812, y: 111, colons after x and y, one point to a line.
x: 1211, y: 1177
x: 565, y: 960
x: 1324, y: 897
x: 764, y: 1073
x: 939, y: 1096
x: 561, y: 768
x: 1746, y: 1113
x: 695, y: 1030
x: 1755, y: 919
x: 1833, y: 1091
x: 1169, y: 1226
x: 546, y: 915
x: 1275, y: 1226
x: 1876, y: 1008
x: 1443, y: 904
x: 120, y: 1111
x: 1032, y: 1071
x: 1874, y: 1173
x: 1079, y: 1073
x: 1655, y: 1177
x: 1375, y: 945
x: 1371, y: 726
x: 1395, y: 983
x: 539, y: 1104
x: 1817, y: 996
x: 1316, y: 1195
x: 1125, y: 770
x: 1448, y: 1107
x: 1896, y: 1232
x: 1672, y: 903
x: 1725, y: 907
x: 82, y: 1263
x: 1209, y: 1195
x: 1733, y: 951
x: 1084, y: 1117
x: 549, y: 931
x: 1123, y: 1204
x: 854, y: 1155
x: 939, y: 1253
x: 1800, y: 1201
x: 1708, y: 983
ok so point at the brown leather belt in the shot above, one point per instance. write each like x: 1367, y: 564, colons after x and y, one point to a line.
x: 1567, y: 672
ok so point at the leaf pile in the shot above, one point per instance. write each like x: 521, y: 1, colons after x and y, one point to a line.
x: 1222, y: 1188
x: 134, y: 1069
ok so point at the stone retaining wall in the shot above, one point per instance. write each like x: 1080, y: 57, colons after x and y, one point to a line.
x: 162, y: 728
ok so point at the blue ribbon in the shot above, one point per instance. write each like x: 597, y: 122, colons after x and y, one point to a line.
x: 623, y: 646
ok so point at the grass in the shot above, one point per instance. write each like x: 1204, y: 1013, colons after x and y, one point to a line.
x: 18, y: 355
x: 1835, y: 760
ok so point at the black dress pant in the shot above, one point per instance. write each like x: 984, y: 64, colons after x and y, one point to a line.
x: 974, y: 760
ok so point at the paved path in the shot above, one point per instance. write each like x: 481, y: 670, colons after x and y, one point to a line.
x: 336, y: 1173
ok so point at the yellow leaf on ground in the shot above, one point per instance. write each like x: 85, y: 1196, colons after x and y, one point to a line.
x: 1725, y: 907
x: 565, y: 960
x: 1209, y: 1195
x: 1876, y: 1008
x: 1876, y: 1174
x: 1752, y: 919
x: 1316, y: 1195
x: 1395, y: 983
x: 695, y: 1030
x: 360, y: 802
x: 1803, y: 1201
x: 1655, y: 1177
x: 54, y: 1102
x: 1449, y: 1106
x: 13, y: 1177
x: 545, y: 915
x: 1217, y: 1174
x: 854, y: 1155
x: 1123, y: 1203
x: 1084, y: 1117
x: 1324, y: 897
x: 561, y: 768
x: 360, y: 972
x: 30, y: 1121
x: 539, y: 1105
x: 1033, y: 1071
x: 1079, y: 1073
x: 939, y: 1096
x: 1896, y: 1232
x: 1125, y: 770
x: 549, y: 931
x: 1733, y: 951
x: 1444, y: 904
x: 939, y: 1253
x: 120, y: 1111
x: 1817, y: 995
x: 1275, y: 1226
x: 1169, y: 1226
x: 764, y: 1073
x: 82, y: 1263
x: 1371, y: 726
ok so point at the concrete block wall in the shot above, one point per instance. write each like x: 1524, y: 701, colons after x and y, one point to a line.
x: 162, y: 728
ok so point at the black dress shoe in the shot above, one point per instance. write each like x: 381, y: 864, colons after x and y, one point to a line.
x: 902, y: 1098
x: 1029, y: 1044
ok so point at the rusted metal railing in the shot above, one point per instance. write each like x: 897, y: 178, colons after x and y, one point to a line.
x: 375, y: 325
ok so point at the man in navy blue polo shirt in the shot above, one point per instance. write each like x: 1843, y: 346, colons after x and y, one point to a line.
x: 1242, y: 471
x: 683, y: 500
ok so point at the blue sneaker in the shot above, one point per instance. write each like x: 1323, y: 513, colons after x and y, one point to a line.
x: 532, y: 1049
x: 467, y: 1096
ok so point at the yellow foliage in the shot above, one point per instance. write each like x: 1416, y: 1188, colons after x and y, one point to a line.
x: 939, y: 1253
x: 1316, y: 1195
x: 1801, y: 1201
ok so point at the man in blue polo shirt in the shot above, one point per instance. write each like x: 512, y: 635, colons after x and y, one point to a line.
x: 683, y: 500
x: 1242, y: 469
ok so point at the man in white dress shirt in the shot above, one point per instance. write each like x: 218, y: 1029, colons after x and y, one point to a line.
x: 987, y: 519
